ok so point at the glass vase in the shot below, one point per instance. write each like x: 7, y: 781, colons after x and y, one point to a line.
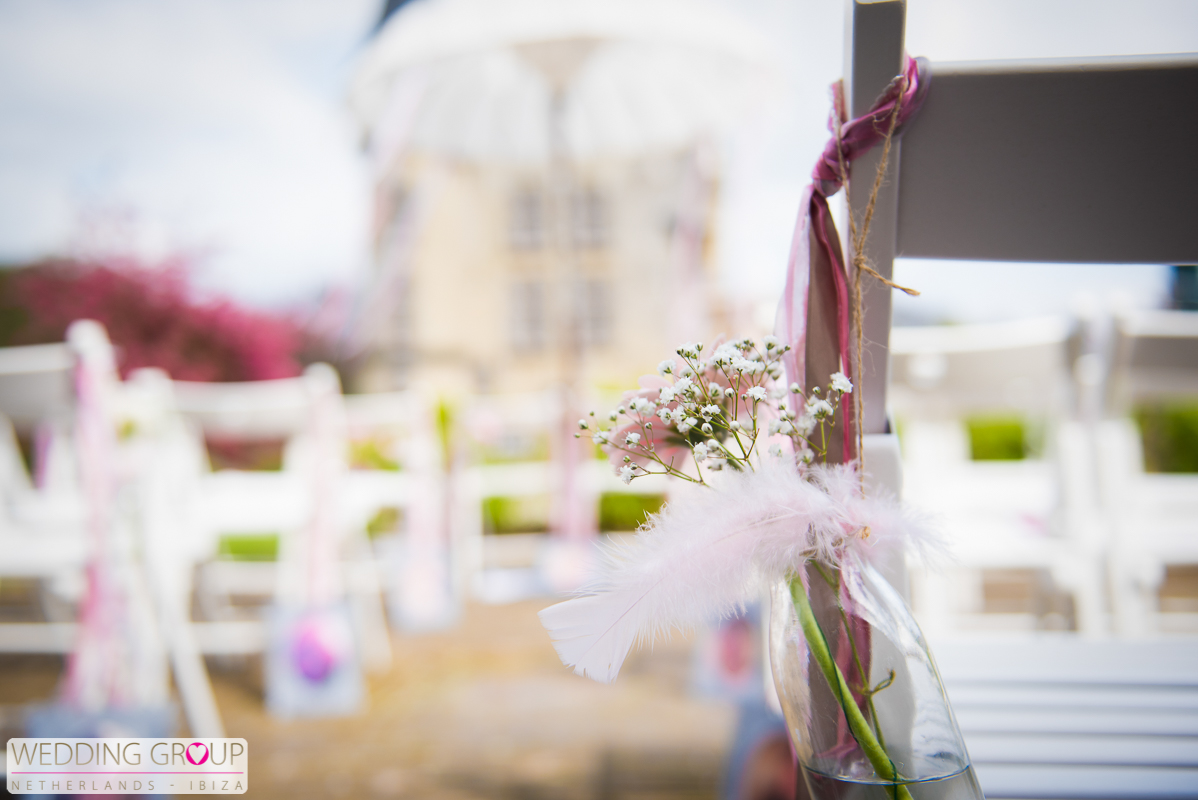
x: 864, y: 704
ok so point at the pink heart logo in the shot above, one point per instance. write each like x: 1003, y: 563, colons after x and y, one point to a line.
x: 191, y: 759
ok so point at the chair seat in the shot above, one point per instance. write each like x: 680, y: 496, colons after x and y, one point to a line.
x: 1067, y: 717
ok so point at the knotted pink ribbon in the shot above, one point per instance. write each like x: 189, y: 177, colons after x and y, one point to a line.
x: 815, y: 248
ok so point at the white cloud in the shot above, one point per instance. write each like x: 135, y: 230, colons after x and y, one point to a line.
x: 220, y: 125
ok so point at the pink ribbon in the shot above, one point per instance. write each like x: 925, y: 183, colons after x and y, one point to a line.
x: 815, y: 246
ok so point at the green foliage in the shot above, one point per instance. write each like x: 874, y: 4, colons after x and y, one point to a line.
x: 249, y: 547
x: 446, y: 422
x: 620, y: 511
x: 997, y: 439
x: 516, y: 514
x: 369, y: 454
x: 386, y: 520
x: 1170, y: 436
x: 515, y: 447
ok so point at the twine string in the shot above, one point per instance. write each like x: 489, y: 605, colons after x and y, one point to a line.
x: 861, y: 265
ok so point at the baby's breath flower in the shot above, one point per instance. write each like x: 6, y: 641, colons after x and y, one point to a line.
x: 690, y: 350
x: 667, y: 416
x: 700, y: 451
x: 600, y: 437
x: 785, y: 427
x: 612, y: 416
x: 666, y: 367
x: 683, y: 386
x: 723, y: 355
x: 820, y: 409
x: 805, y: 424
x: 757, y: 393
x: 632, y: 439
x: 716, y: 391
x: 642, y: 406
x: 684, y: 426
x: 716, y: 464
x: 582, y: 425
x: 776, y: 450
x: 711, y: 410
x: 734, y: 425
x: 806, y: 455
x: 627, y: 473
x: 745, y: 365
x: 841, y: 383
x: 795, y: 389
x: 770, y: 342
x: 666, y: 395
x: 706, y: 428
x: 773, y: 426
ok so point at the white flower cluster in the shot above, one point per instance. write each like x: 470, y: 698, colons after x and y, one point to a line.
x: 716, y: 412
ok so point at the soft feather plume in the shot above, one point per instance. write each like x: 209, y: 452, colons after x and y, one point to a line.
x: 709, y: 552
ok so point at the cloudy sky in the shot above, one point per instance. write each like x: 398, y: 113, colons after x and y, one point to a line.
x: 215, y: 128
x: 219, y: 128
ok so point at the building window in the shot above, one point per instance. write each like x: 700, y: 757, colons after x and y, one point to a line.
x: 526, y: 223
x: 589, y: 218
x: 593, y: 310
x: 530, y: 326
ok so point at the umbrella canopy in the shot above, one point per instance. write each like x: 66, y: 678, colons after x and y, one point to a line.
x: 614, y: 77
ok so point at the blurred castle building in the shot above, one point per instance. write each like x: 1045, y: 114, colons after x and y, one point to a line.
x: 492, y: 278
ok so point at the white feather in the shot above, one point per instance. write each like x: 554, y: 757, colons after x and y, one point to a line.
x: 709, y: 552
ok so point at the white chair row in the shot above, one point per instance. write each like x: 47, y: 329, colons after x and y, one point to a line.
x: 179, y: 508
x: 519, y: 445
x: 1083, y: 511
x: 77, y: 532
x: 1153, y: 517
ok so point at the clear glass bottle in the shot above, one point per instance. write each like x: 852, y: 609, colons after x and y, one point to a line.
x: 866, y: 710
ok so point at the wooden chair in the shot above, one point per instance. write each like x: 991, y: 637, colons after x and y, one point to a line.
x: 1032, y: 161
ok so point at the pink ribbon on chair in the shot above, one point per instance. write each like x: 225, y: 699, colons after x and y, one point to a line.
x: 815, y: 252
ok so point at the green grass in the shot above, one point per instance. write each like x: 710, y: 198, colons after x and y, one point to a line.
x: 368, y: 454
x: 249, y: 547
x: 619, y: 511
x: 387, y: 519
x: 996, y: 439
x: 1170, y: 436
x: 516, y: 514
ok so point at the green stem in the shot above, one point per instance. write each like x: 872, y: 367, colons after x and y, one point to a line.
x: 858, y: 725
x: 866, y: 690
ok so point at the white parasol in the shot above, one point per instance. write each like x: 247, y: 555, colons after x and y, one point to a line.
x: 619, y: 76
x: 551, y: 83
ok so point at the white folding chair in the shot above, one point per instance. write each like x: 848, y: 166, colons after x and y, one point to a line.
x: 1028, y: 161
x: 45, y: 535
x: 1029, y: 513
x: 278, y: 502
x: 1154, y: 516
x: 41, y: 526
x: 513, y: 441
x: 426, y: 581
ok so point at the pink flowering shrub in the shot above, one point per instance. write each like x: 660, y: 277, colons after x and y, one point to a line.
x: 153, y: 317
